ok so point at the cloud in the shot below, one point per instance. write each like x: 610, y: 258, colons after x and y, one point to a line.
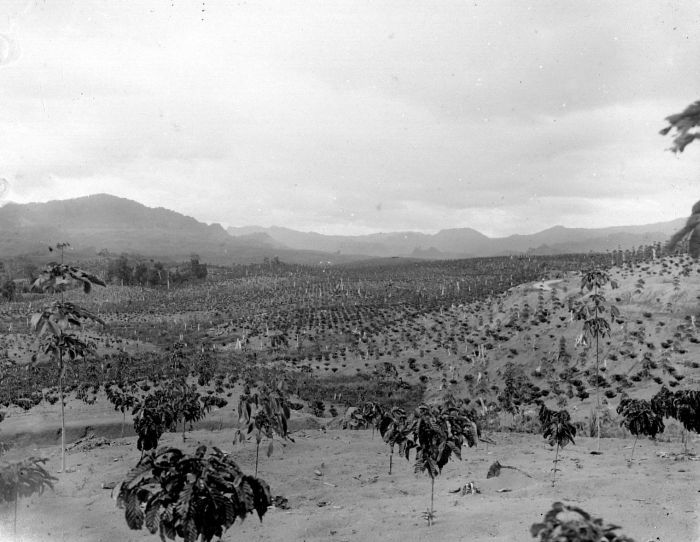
x: 373, y: 116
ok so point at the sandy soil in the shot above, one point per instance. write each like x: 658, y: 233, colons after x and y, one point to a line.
x: 656, y: 498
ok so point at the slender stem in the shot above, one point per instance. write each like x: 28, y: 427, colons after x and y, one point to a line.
x: 556, y: 459
x: 391, y: 458
x: 123, y: 421
x: 16, y: 499
x: 432, y: 494
x: 63, y: 412
x: 597, y: 383
x: 633, y: 445
x: 257, y: 451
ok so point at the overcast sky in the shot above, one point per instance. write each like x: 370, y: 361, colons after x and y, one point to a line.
x: 354, y: 117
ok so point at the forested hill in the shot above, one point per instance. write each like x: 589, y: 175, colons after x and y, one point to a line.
x: 104, y: 222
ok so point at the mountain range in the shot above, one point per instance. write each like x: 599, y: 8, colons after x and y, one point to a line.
x: 467, y: 242
x: 103, y: 222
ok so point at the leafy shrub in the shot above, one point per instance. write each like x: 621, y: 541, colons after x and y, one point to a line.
x: 176, y: 494
x: 584, y: 528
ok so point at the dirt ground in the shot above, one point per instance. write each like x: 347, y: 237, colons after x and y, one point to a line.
x: 355, y: 499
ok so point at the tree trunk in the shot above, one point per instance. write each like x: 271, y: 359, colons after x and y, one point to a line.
x: 14, y: 526
x: 391, y: 458
x: 63, y: 413
x: 633, y: 445
x: 597, y: 393
x: 123, y: 421
x: 257, y: 452
x: 432, y: 495
x: 556, y: 460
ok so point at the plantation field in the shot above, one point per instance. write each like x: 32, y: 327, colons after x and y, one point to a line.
x: 355, y: 498
x: 496, y: 339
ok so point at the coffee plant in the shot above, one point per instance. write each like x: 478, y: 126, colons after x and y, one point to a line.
x: 264, y: 414
x: 439, y: 431
x: 639, y: 419
x: 396, y: 430
x: 557, y: 430
x: 193, y: 497
x: 581, y: 528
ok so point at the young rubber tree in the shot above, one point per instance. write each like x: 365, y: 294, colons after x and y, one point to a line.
x: 639, y: 419
x: 194, y: 497
x: 558, y: 431
x: 53, y: 324
x: 595, y: 325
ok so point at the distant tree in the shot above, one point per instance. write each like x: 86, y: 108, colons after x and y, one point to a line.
x: 141, y: 274
x: 120, y: 270
x: 197, y: 270
x: 8, y: 290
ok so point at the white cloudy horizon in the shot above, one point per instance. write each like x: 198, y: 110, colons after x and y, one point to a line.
x: 354, y: 117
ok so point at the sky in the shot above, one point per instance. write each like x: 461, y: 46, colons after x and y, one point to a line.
x: 354, y: 117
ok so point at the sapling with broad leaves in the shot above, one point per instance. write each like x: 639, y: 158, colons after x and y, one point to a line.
x: 53, y: 323
x: 438, y: 433
x: 122, y: 400
x: 681, y: 405
x: 395, y: 429
x: 558, y: 430
x: 194, y: 497
x: 639, y: 419
x: 264, y: 414
x: 23, y: 479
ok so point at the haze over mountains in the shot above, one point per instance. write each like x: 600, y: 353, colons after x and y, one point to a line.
x: 102, y: 221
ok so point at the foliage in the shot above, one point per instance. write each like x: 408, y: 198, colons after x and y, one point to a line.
x: 24, y: 478
x: 557, y: 430
x: 438, y: 433
x: 8, y: 290
x: 54, y: 321
x: 683, y: 123
x: 264, y: 413
x: 584, y: 528
x: 639, y: 417
x: 190, y: 496
x: 151, y: 418
x: 369, y: 414
x: 682, y: 405
x: 396, y: 430
x: 595, y: 326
